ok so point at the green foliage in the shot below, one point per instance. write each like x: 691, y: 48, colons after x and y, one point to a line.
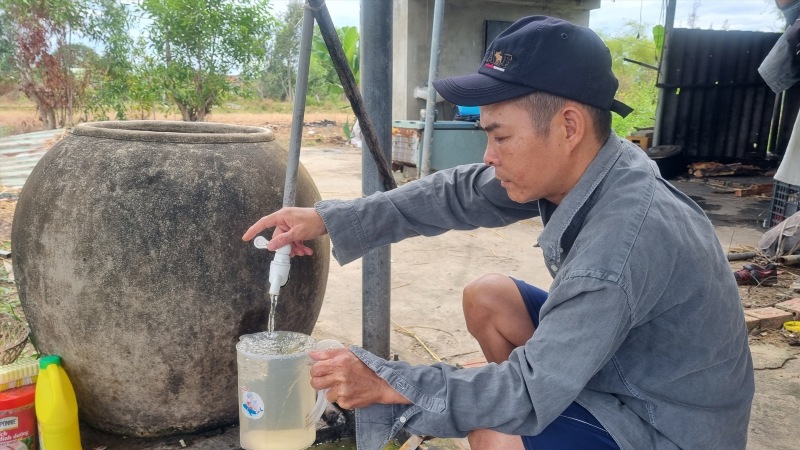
x: 79, y: 55
x: 280, y: 74
x: 350, y: 40
x: 50, y: 67
x: 658, y: 39
x: 198, y: 43
x: 7, y: 50
x: 636, y: 83
x: 346, y: 129
x: 279, y: 78
x: 111, y: 77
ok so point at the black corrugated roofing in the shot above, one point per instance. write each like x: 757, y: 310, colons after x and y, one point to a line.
x: 715, y: 105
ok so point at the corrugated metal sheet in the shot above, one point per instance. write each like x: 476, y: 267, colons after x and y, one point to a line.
x: 715, y: 104
x: 20, y: 153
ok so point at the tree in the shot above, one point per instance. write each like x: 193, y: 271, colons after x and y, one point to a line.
x: 44, y: 34
x: 199, y: 43
x: 111, y: 73
x: 7, y: 66
x: 283, y: 49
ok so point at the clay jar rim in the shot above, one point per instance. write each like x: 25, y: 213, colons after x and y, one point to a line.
x: 174, y: 132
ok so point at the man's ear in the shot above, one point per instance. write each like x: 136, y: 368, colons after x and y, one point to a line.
x: 574, y: 123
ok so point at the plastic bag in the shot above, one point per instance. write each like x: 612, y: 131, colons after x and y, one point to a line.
x: 782, y: 239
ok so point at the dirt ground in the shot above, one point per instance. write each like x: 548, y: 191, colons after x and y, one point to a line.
x: 321, y: 128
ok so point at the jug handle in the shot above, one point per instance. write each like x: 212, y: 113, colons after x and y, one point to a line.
x: 322, y: 401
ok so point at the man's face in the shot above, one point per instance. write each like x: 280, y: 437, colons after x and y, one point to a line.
x: 529, y: 165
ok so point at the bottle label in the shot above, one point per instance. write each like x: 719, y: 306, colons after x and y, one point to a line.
x: 252, y: 405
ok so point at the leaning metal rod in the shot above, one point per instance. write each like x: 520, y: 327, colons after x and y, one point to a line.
x: 351, y: 90
x: 301, y: 87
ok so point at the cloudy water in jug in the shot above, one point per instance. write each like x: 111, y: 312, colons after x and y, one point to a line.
x: 275, y: 394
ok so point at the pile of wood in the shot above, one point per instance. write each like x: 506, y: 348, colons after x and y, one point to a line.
x: 715, y: 169
x: 740, y: 189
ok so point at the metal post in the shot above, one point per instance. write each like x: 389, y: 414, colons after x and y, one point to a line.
x: 301, y: 87
x: 376, y: 82
x: 669, y: 24
x: 430, y: 104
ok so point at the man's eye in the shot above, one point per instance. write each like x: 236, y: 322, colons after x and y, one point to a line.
x: 500, y: 139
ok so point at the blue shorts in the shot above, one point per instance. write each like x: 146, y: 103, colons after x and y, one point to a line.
x: 576, y: 428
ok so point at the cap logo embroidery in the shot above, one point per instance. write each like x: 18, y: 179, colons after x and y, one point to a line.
x: 498, y: 61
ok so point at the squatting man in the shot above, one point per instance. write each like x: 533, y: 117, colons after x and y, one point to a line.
x: 640, y: 340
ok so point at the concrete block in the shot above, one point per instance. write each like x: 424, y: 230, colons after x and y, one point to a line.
x: 769, y: 318
x: 751, y: 321
x: 793, y: 306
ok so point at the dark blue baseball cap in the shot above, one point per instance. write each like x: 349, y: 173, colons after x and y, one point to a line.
x: 540, y: 53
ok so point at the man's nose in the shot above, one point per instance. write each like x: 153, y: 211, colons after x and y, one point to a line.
x: 489, y: 156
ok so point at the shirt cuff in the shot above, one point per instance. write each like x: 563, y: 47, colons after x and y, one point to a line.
x: 378, y: 423
x: 348, y: 240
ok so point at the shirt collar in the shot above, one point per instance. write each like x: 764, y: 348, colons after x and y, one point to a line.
x: 562, y: 222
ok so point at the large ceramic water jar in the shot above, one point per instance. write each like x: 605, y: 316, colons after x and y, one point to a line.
x: 129, y: 263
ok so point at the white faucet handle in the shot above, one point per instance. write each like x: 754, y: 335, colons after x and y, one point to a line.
x: 260, y: 242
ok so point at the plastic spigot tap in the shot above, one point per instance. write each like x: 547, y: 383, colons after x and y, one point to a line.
x: 279, y: 267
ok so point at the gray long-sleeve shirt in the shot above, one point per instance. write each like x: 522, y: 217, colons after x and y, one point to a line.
x: 643, y: 325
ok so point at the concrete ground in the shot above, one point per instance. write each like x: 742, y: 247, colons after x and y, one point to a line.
x: 428, y: 275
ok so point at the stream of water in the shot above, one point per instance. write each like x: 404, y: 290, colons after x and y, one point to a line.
x: 273, y: 305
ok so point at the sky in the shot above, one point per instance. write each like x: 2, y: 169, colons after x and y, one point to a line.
x: 748, y: 15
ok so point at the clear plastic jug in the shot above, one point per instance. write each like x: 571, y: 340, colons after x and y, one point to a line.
x: 278, y: 408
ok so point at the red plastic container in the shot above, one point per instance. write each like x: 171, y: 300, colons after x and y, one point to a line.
x: 18, y: 418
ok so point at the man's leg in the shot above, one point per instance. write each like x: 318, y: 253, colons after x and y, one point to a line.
x: 493, y: 440
x: 496, y: 316
x: 502, y: 314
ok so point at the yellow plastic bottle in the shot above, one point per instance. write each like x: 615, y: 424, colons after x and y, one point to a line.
x: 56, y: 407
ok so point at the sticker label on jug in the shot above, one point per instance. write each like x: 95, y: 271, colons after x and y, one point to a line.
x: 252, y: 405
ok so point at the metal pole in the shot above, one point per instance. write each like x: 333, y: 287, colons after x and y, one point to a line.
x: 376, y: 82
x: 430, y: 104
x: 669, y: 24
x: 301, y: 87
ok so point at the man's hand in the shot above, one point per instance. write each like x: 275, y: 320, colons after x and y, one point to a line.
x: 352, y: 384
x: 292, y: 226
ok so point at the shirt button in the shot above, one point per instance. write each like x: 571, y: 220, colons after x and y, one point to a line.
x: 402, y: 420
x: 554, y: 268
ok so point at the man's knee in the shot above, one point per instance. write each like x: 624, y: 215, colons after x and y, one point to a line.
x: 480, y: 296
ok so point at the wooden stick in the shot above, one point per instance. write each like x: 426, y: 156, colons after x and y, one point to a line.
x: 406, y: 331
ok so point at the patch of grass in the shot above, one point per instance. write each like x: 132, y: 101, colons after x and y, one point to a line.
x: 10, y: 305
